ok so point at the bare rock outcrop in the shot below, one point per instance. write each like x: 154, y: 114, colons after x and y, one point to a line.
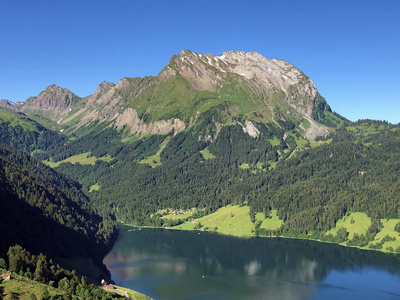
x: 137, y: 126
x: 54, y: 102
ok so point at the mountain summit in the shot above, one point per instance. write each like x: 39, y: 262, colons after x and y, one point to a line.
x: 238, y: 87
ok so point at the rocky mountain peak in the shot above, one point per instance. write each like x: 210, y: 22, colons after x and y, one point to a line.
x: 209, y: 72
x: 102, y: 88
x: 4, y: 103
x: 249, y: 84
x: 54, y: 102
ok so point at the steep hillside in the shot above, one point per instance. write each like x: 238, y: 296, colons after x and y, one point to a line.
x: 21, y: 132
x: 310, y: 188
x: 45, y: 212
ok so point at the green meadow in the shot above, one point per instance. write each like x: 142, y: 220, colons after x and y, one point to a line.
x: 356, y: 222
x: 388, y: 230
x: 83, y: 159
x: 271, y: 223
x: 233, y: 220
x: 207, y: 154
x: 155, y: 160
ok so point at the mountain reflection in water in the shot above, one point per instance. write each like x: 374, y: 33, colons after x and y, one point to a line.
x: 169, y: 264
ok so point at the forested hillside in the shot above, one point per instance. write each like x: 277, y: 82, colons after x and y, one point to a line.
x: 267, y: 166
x: 38, y: 277
x: 21, y: 132
x: 311, y: 187
x: 46, y: 212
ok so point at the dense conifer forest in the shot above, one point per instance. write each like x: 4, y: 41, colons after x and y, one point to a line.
x: 311, y: 184
x: 356, y: 169
x: 46, y: 212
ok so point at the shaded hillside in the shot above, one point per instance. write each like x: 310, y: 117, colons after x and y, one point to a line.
x: 21, y: 132
x: 46, y: 212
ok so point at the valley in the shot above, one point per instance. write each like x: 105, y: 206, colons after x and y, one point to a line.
x: 236, y: 144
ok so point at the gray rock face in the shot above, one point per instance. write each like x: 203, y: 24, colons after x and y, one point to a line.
x: 54, y: 102
x: 208, y: 71
x: 4, y: 103
x: 273, y: 88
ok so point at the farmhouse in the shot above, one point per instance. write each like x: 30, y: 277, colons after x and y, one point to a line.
x: 6, y: 276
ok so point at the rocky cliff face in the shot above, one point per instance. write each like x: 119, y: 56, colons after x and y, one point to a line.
x: 248, y: 84
x: 4, y: 103
x: 265, y: 76
x: 54, y: 102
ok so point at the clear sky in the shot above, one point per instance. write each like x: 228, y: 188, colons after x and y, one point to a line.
x: 350, y: 49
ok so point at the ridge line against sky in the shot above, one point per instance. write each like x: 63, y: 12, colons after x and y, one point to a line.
x: 348, y: 48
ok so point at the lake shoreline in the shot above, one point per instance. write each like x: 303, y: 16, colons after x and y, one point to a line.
x: 254, y: 236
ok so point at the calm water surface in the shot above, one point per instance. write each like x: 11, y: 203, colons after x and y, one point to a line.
x: 169, y: 264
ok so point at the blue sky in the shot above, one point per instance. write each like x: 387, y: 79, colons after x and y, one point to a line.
x: 350, y: 49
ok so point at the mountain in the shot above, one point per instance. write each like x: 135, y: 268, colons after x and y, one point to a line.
x: 236, y: 85
x: 210, y: 131
x: 4, y: 103
x: 53, y: 103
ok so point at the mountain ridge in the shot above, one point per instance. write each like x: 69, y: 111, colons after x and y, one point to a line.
x: 245, y: 84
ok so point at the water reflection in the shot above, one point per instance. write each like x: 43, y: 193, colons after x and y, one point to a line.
x: 168, y: 264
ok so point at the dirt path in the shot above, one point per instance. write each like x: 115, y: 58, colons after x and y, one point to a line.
x: 125, y: 293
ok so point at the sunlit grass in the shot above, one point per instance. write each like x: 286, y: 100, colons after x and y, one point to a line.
x: 94, y: 187
x: 83, y: 159
x: 154, y: 160
x: 360, y: 224
x: 388, y: 229
x: 207, y: 154
x: 271, y: 223
x: 232, y: 220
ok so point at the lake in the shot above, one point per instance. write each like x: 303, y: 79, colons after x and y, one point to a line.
x: 171, y: 264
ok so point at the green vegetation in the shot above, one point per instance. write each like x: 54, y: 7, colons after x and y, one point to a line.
x: 233, y: 220
x: 46, y: 212
x: 83, y: 159
x: 21, y: 132
x: 37, y: 277
x: 178, y: 215
x: 304, y: 189
x: 356, y: 222
x: 310, y: 185
x: 155, y: 160
x: 207, y: 154
x: 94, y: 187
x: 21, y: 287
x: 131, y: 293
x: 388, y: 230
x: 244, y: 166
x: 272, y: 222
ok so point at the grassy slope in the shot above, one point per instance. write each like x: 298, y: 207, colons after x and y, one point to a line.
x: 207, y: 154
x: 388, y: 229
x: 235, y: 220
x: 22, y: 287
x: 83, y: 159
x: 360, y: 225
x: 271, y: 223
x: 125, y: 291
x: 154, y: 160
x: 94, y: 187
